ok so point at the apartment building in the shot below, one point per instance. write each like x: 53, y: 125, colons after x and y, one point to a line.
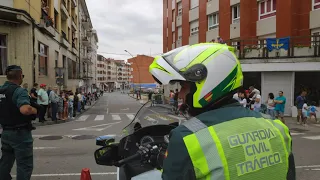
x: 141, y: 77
x: 246, y: 25
x: 42, y: 37
x: 101, y: 72
x: 88, y: 48
x: 112, y: 74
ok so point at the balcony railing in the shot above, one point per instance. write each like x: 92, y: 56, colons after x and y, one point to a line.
x: 299, y: 46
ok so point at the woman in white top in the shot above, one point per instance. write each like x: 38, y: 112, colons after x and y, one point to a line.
x: 241, y: 98
x: 270, y: 105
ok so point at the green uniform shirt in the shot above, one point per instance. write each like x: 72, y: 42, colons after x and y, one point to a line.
x: 178, y: 164
x: 20, y: 96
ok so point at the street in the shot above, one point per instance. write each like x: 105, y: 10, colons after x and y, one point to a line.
x: 62, y: 150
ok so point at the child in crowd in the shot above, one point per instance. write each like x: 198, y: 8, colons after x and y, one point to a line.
x: 313, y: 111
x: 305, y: 114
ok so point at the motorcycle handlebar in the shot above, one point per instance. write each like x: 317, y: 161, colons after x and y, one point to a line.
x: 128, y: 159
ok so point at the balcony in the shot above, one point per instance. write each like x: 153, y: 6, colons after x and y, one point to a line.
x: 64, y: 41
x: 89, y: 33
x: 86, y: 24
x: 46, y: 25
x: 85, y: 41
x: 74, y: 3
x: 305, y: 47
x: 64, y: 11
x: 87, y: 59
x: 74, y: 49
x: 73, y: 22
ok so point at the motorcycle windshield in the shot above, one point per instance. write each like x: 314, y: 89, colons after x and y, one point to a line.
x: 150, y: 115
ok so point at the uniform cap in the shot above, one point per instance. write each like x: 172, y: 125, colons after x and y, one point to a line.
x: 13, y: 68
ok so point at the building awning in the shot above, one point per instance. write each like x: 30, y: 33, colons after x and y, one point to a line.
x: 144, y: 85
x: 12, y: 15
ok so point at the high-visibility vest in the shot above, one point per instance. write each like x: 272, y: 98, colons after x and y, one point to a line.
x: 247, y: 148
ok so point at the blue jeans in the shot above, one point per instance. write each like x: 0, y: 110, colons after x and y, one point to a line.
x: 70, y: 111
x: 272, y: 113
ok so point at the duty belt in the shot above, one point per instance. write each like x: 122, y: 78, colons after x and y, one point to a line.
x: 26, y: 126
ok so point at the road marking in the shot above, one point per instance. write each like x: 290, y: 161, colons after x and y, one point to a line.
x: 39, y: 136
x: 83, y: 118
x: 99, y: 118
x: 130, y: 116
x: 312, y: 137
x: 125, y: 109
x: 121, y: 113
x: 176, y: 117
x: 95, y: 128
x: 310, y: 166
x: 71, y: 174
x: 42, y: 148
x: 116, y: 117
x: 295, y: 134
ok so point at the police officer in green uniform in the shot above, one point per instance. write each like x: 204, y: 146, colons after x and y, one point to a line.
x: 16, y: 114
x: 223, y: 140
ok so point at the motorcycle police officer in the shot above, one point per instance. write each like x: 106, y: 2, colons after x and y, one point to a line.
x: 16, y: 114
x: 223, y: 140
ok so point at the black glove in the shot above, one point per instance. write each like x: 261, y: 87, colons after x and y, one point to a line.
x: 38, y: 107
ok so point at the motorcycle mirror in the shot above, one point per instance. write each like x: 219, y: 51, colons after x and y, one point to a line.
x: 166, y: 139
x: 107, y: 155
x: 105, y: 140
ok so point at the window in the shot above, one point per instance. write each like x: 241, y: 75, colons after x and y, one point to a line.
x: 315, y: 4
x: 43, y: 59
x: 179, y: 33
x: 3, y: 54
x: 173, y: 4
x: 194, y: 28
x: 315, y: 39
x: 267, y: 8
x: 236, y: 14
x: 179, y: 9
x: 55, y: 19
x: 213, y: 21
x: 194, y: 4
x: 56, y: 59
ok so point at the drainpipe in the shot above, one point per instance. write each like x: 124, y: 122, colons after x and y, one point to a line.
x: 34, y: 56
x: 79, y: 43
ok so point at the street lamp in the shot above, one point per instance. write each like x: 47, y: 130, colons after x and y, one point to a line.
x: 137, y: 67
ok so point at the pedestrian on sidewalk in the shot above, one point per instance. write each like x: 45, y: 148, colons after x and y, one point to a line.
x: 270, y: 105
x: 70, y: 105
x: 65, y: 106
x: 60, y: 106
x: 54, y: 98
x: 16, y: 114
x: 75, y: 104
x: 280, y: 103
x: 49, y: 110
x: 305, y: 114
x: 313, y: 111
x: 43, y: 100
x: 300, y: 100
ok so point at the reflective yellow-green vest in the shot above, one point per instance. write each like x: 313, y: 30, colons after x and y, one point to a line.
x: 248, y: 148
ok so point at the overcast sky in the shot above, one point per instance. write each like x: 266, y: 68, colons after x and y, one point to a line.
x: 134, y: 25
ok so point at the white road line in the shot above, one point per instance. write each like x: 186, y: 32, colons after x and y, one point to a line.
x: 95, y: 128
x: 71, y: 174
x: 99, y: 118
x: 177, y: 117
x: 310, y: 166
x: 295, y: 134
x: 42, y: 148
x: 38, y: 136
x: 83, y: 118
x: 312, y: 137
x: 130, y: 116
x: 116, y: 117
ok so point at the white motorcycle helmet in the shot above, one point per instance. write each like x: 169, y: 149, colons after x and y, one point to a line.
x: 212, y: 68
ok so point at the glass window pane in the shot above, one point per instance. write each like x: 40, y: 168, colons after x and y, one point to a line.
x: 262, y: 7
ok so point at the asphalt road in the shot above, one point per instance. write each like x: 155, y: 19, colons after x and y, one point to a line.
x: 62, y: 150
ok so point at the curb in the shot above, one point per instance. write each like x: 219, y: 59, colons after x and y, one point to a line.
x: 50, y: 122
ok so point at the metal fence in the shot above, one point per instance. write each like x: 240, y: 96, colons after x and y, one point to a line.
x: 299, y: 47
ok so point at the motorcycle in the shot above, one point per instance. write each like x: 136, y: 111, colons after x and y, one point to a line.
x: 138, y: 152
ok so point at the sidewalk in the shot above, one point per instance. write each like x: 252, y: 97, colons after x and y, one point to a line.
x: 36, y: 122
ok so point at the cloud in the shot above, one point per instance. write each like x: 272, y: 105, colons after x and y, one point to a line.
x: 121, y: 25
